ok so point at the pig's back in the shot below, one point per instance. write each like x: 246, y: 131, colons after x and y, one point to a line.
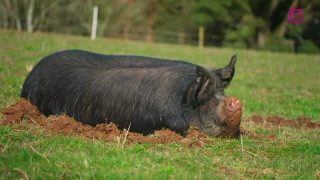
x: 95, y: 88
x: 96, y: 60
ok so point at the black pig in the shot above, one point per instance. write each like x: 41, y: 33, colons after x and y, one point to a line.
x: 143, y: 92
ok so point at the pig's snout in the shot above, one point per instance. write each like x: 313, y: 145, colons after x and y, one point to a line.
x: 233, y: 110
x: 233, y: 104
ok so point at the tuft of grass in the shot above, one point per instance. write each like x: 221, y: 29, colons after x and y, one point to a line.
x: 267, y: 84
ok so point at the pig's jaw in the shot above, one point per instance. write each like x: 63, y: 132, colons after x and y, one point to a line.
x: 220, y: 130
x: 224, y: 122
x: 210, y: 126
x: 229, y: 112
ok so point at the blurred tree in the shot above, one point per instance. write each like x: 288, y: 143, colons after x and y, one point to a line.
x: 265, y: 29
x: 10, y: 14
x: 267, y: 21
x: 215, y: 17
x: 30, y: 15
x: 173, y: 22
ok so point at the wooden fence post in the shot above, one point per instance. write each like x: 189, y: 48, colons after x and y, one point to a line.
x: 181, y: 37
x: 201, y: 37
x: 94, y: 23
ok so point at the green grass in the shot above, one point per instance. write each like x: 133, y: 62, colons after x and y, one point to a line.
x: 267, y: 84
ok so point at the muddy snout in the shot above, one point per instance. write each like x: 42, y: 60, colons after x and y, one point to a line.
x: 233, y: 110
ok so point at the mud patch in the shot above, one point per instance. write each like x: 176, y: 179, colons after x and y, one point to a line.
x: 23, y: 112
x: 250, y: 134
x: 301, y: 122
x: 276, y: 122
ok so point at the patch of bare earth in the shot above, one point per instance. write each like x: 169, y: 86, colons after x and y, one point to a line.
x: 301, y: 122
x: 278, y: 122
x: 24, y: 112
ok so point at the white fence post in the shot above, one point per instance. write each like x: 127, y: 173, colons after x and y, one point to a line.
x: 94, y: 23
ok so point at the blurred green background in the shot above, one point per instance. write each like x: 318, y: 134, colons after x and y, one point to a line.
x: 245, y: 24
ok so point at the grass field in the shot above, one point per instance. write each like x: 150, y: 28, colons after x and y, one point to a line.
x: 267, y: 83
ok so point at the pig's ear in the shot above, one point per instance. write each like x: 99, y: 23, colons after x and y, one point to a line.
x: 201, y: 90
x: 225, y: 75
x: 204, y: 88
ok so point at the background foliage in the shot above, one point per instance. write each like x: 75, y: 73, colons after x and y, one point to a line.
x: 255, y: 24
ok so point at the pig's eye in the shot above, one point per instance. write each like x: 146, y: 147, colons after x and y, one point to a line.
x: 212, y: 102
x: 204, y: 107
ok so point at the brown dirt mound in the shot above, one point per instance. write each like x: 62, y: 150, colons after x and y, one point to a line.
x: 301, y: 122
x: 24, y: 112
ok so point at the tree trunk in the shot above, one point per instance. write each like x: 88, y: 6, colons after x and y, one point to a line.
x: 4, y: 19
x: 262, y: 36
x: 284, y: 25
x: 16, y: 15
x: 274, y: 5
x: 30, y: 16
x: 4, y: 16
x: 8, y: 14
x: 264, y: 32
